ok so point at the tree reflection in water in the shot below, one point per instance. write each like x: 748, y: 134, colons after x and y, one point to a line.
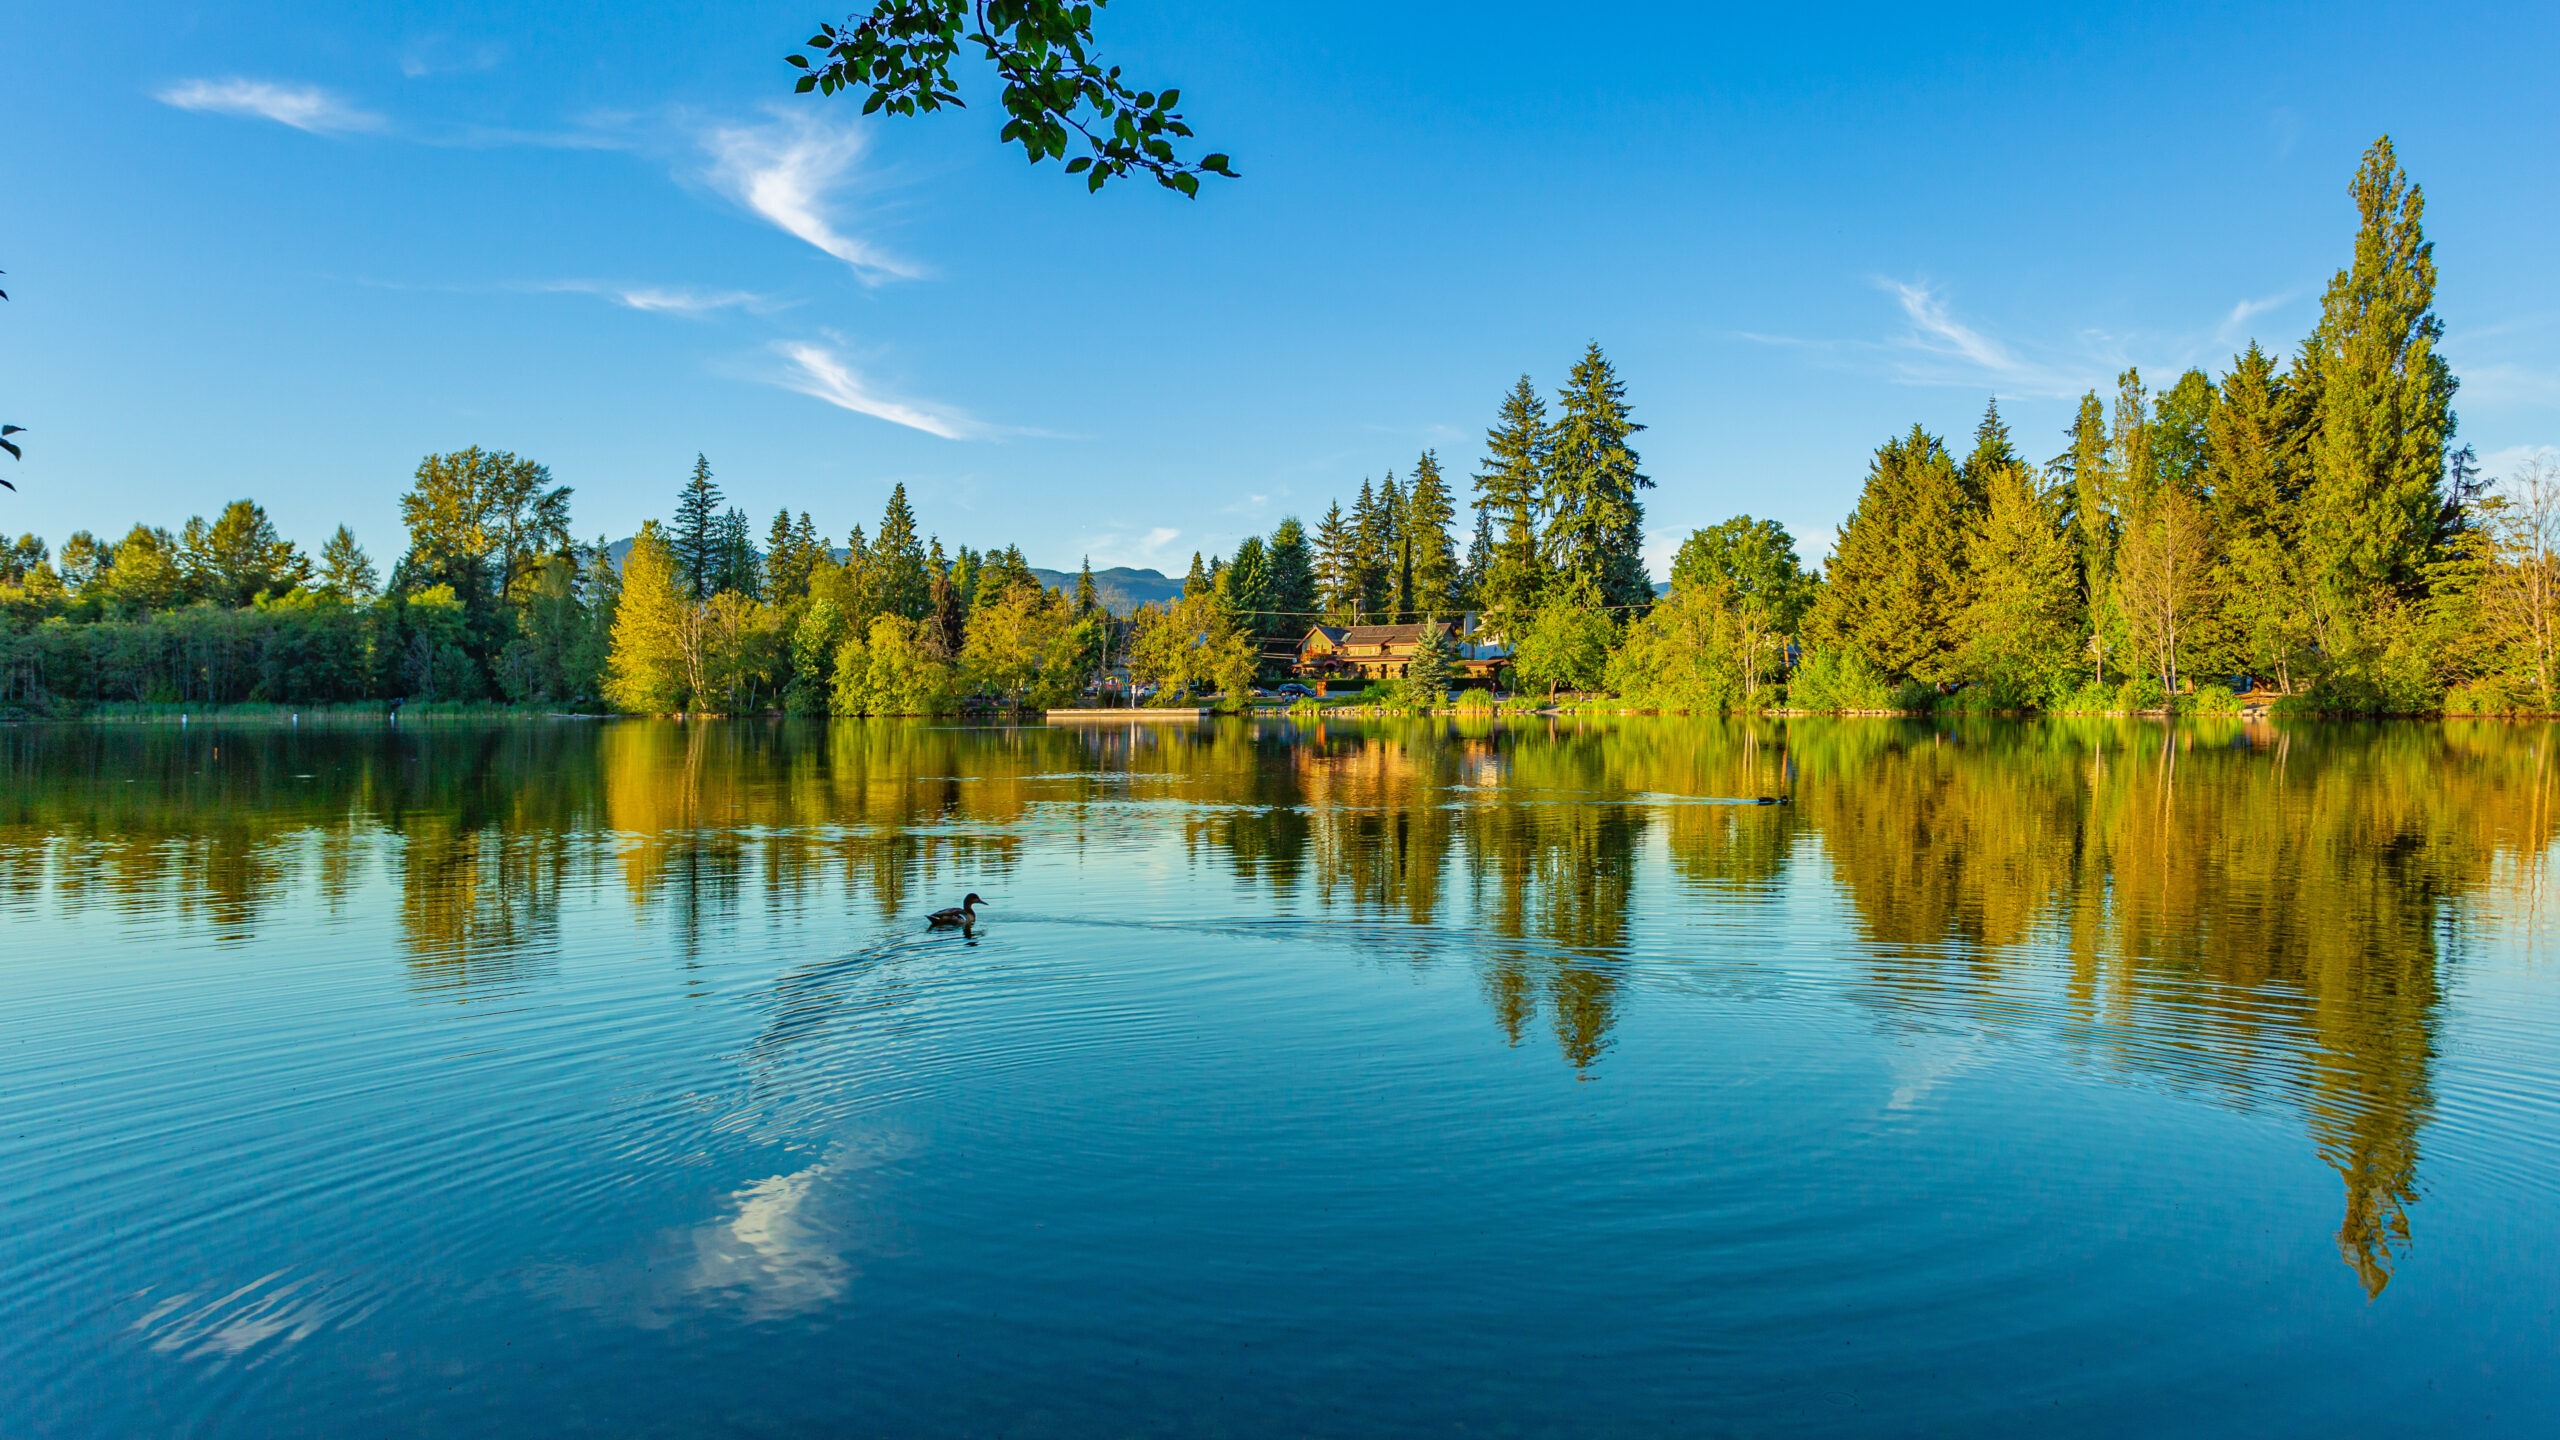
x: 2265, y: 913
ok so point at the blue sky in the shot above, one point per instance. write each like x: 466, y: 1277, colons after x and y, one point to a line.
x: 284, y: 250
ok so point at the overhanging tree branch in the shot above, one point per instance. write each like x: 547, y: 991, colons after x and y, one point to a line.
x: 1054, y: 91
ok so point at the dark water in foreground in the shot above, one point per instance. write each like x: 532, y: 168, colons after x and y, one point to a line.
x: 1371, y: 1079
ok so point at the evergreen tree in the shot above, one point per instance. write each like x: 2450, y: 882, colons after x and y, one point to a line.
x: 898, y: 555
x: 1595, y: 520
x: 1247, y: 585
x: 2254, y: 443
x: 1196, y: 583
x: 1992, y: 453
x: 1337, y: 565
x: 1896, y: 579
x: 239, y: 556
x: 783, y: 581
x: 345, y: 570
x: 857, y: 587
x: 738, y: 568
x: 1429, y: 510
x: 1087, y: 601
x: 2384, y: 407
x: 695, y: 535
x: 1471, y: 576
x: 1293, y: 578
x: 1373, y: 540
x: 1509, y: 490
x: 1434, y: 665
x: 2020, y: 627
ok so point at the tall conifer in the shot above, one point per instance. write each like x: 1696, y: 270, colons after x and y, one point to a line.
x: 1508, y: 492
x: 1595, y: 520
x: 1337, y: 561
x: 898, y: 557
x: 1428, y: 511
x: 1895, y: 585
x: 695, y: 536
x: 1992, y: 453
x: 1293, y: 577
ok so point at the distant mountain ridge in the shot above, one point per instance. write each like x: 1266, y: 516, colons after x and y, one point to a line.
x: 1120, y: 588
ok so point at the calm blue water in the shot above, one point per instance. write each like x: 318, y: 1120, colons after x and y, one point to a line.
x: 1408, y: 1078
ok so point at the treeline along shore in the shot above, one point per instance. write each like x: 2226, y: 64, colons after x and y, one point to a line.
x: 2304, y: 528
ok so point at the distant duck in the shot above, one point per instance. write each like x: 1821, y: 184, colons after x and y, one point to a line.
x: 964, y: 914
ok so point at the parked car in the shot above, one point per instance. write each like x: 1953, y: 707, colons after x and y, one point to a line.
x: 1293, y: 691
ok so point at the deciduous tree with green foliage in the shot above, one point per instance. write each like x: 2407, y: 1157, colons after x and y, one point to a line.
x: 646, y: 672
x: 898, y: 57
x: 1567, y: 640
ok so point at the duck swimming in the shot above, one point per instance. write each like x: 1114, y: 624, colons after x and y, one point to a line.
x: 964, y: 914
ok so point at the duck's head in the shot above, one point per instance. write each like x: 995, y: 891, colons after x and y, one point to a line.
x: 972, y: 900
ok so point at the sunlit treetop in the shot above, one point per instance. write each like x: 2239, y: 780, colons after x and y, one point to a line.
x: 900, y: 55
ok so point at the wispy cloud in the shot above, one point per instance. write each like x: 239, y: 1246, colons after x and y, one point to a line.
x: 817, y: 371
x: 1941, y: 349
x: 304, y: 107
x: 788, y: 170
x: 2233, y: 332
x: 664, y: 299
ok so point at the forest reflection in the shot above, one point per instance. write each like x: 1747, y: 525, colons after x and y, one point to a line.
x: 2268, y: 914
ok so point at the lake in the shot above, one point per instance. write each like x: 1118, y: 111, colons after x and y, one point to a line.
x: 1371, y: 1078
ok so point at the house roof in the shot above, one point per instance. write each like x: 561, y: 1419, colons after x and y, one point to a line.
x: 1391, y: 634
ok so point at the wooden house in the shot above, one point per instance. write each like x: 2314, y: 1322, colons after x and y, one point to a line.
x: 1361, y: 653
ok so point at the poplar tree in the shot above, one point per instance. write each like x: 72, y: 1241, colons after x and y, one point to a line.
x: 898, y: 557
x: 1595, y: 520
x: 1293, y: 576
x: 2093, y: 496
x: 1893, y: 590
x: 2384, y: 411
x: 695, y: 535
x: 1508, y: 491
x: 1428, y: 511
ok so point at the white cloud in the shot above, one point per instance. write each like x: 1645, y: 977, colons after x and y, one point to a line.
x: 786, y: 171
x: 820, y: 372
x: 2234, y: 329
x: 673, y: 300
x: 1952, y: 351
x: 304, y: 107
